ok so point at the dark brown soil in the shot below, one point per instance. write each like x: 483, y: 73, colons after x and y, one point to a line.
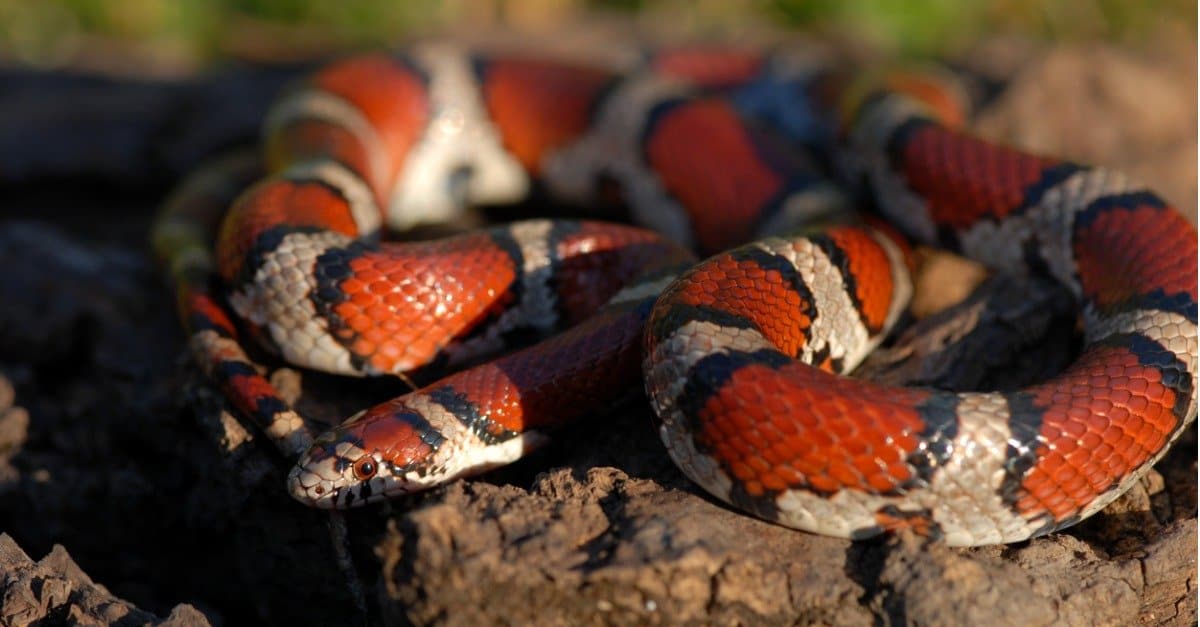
x: 112, y: 447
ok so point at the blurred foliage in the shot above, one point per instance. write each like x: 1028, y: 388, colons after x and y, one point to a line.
x: 53, y: 32
x: 935, y: 26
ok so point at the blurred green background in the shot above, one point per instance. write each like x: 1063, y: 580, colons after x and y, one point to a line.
x: 190, y: 33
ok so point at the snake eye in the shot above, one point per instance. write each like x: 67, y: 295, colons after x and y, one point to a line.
x: 364, y: 468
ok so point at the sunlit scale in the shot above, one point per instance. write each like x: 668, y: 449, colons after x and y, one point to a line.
x: 742, y: 356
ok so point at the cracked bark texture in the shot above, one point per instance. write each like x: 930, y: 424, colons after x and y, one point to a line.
x: 112, y: 446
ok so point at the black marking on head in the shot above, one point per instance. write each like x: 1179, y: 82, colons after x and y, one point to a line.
x: 470, y: 416
x: 1021, y: 455
x: 330, y: 269
x: 428, y: 435
x: 939, y: 412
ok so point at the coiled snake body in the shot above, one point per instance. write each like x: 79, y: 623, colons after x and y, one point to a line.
x: 742, y: 355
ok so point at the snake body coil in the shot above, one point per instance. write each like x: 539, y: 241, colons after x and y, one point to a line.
x: 742, y: 354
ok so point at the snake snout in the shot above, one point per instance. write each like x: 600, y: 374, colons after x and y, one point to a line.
x: 311, y: 488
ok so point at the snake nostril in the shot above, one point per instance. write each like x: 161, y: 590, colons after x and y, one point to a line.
x: 319, y: 490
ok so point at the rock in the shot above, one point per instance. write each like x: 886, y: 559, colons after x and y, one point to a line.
x: 1169, y: 576
x: 56, y: 590
x: 599, y: 543
x: 1100, y: 105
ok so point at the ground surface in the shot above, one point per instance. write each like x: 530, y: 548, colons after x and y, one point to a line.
x: 118, y: 461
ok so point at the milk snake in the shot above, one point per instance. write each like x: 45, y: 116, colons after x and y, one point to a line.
x: 742, y: 355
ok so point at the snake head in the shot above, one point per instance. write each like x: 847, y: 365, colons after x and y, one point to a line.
x: 382, y: 453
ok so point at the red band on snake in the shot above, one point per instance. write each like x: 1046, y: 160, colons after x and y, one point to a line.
x: 743, y: 356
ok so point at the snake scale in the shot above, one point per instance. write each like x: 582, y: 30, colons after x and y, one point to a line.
x: 742, y: 355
